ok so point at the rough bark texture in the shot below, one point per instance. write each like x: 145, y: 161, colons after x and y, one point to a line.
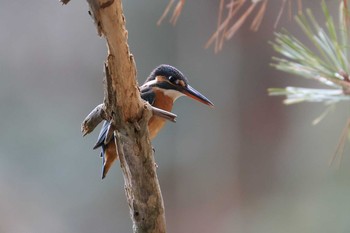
x: 129, y: 115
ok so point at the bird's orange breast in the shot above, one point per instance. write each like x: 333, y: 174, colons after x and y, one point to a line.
x: 164, y: 102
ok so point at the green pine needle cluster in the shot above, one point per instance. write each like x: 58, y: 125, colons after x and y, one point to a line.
x: 327, y: 62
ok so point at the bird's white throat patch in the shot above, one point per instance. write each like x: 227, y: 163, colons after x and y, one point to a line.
x: 168, y: 92
x: 173, y: 94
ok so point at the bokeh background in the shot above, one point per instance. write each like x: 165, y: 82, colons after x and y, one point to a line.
x: 250, y: 165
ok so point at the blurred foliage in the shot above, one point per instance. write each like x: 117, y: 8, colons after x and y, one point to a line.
x: 232, y: 15
x: 328, y: 64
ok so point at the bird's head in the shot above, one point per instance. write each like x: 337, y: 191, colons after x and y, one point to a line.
x: 174, y: 84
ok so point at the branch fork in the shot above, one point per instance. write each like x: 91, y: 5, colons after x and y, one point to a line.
x: 129, y: 115
x: 98, y: 114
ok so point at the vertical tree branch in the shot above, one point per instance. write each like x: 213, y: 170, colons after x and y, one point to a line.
x: 129, y: 115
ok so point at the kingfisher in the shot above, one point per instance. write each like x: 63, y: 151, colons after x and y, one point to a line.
x: 161, y: 89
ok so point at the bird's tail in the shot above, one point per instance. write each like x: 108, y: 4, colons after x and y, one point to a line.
x: 109, y: 157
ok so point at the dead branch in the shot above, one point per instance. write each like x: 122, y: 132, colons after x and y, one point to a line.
x: 129, y: 115
x: 93, y: 119
x: 163, y: 114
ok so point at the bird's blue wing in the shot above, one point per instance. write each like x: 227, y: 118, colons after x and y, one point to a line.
x: 102, y: 136
x: 148, y: 95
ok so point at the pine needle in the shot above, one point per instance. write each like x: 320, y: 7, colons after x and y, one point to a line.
x: 259, y: 17
x: 324, y: 114
x: 341, y: 145
x: 238, y: 12
x: 165, y: 13
x: 280, y: 13
x: 176, y: 12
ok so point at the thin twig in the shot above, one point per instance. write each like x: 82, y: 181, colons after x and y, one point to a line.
x: 93, y: 119
x: 163, y: 114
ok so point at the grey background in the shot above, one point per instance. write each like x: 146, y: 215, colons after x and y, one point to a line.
x: 248, y: 165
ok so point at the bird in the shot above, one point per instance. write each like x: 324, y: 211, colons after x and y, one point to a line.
x: 162, y: 88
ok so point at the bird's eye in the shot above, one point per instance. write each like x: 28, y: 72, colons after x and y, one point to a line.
x: 176, y: 81
x: 172, y: 79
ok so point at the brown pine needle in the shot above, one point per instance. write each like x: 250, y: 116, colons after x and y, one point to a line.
x: 225, y: 28
x: 240, y: 21
x: 290, y: 13
x: 300, y: 7
x: 341, y: 145
x: 165, y: 13
x: 176, y: 13
x: 221, y: 8
x: 233, y: 7
x: 346, y: 14
x: 259, y: 17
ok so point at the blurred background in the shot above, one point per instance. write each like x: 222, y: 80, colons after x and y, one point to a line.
x: 250, y: 165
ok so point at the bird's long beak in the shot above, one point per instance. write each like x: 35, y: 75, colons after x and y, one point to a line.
x: 194, y: 94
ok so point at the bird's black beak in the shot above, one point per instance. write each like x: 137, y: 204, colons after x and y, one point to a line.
x: 194, y: 94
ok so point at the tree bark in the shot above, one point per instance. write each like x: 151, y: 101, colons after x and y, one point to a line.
x: 129, y: 115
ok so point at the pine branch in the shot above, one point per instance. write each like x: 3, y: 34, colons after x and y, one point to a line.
x: 300, y: 94
x: 327, y: 62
